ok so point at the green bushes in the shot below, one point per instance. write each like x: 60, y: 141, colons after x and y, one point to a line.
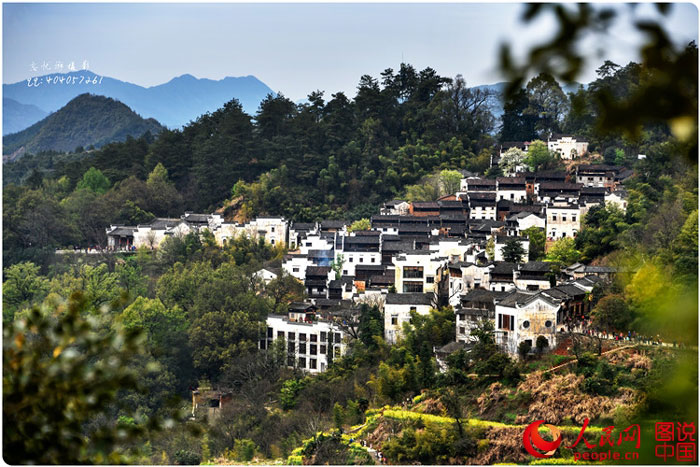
x: 289, y: 392
x: 599, y: 375
x: 186, y: 457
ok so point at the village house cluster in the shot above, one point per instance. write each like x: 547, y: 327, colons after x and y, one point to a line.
x: 422, y: 255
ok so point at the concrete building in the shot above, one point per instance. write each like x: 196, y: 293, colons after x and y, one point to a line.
x: 309, y: 343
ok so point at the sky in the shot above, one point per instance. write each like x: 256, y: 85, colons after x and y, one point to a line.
x: 293, y: 48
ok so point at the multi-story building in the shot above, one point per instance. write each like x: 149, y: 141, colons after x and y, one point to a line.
x: 473, y: 307
x: 563, y: 219
x: 295, y: 265
x: 398, y: 308
x: 482, y: 205
x: 597, y: 175
x: 511, y: 189
x: 316, y: 281
x: 363, y: 248
x: 418, y: 271
x: 311, y: 344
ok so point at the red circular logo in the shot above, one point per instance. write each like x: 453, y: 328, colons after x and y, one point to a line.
x: 532, y: 440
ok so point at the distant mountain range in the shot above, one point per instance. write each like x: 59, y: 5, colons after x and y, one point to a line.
x: 17, y: 116
x: 87, y: 120
x: 173, y: 104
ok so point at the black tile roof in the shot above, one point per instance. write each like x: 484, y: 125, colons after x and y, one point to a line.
x: 409, y: 299
x: 536, y: 266
x: 503, y: 267
x: 317, y: 271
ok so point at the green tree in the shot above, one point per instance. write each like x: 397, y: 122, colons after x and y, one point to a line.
x: 524, y: 349
x: 94, y: 181
x: 450, y: 181
x: 98, y: 286
x: 548, y: 102
x: 283, y: 290
x: 361, y: 224
x: 537, y: 239
x: 371, y: 325
x: 513, y: 251
x: 23, y: 286
x: 490, y: 248
x: 163, y: 197
x: 220, y: 337
x: 612, y: 314
x: 564, y: 252
x: 539, y: 157
x: 60, y: 374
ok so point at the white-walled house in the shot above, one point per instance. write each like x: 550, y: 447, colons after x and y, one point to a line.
x: 315, y: 242
x: 295, y: 265
x: 482, y: 205
x: 397, y: 310
x: 418, y: 271
x: 524, y: 220
x: 454, y: 249
x: 151, y: 235
x: 617, y: 198
x: 359, y: 249
x: 298, y: 231
x: 563, y: 220
x: 308, y: 343
x: 511, y: 189
x: 522, y: 317
x: 567, y: 146
x: 226, y: 232
x: 395, y: 207
x: 266, y: 275
x: 272, y: 229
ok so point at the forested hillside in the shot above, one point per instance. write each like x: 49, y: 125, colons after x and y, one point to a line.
x: 87, y: 120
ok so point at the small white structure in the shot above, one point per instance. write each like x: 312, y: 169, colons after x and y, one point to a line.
x: 398, y: 308
x: 265, y: 275
x: 567, y: 146
x: 617, y: 198
x: 395, y: 207
x: 520, y: 221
